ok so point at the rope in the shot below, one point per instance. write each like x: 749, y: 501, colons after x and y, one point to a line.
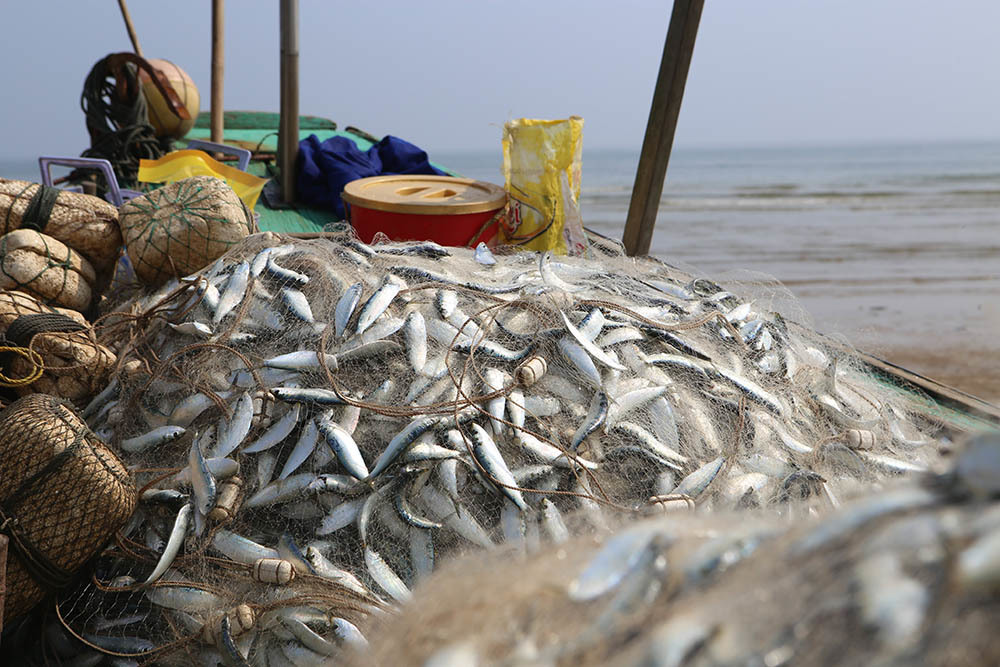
x: 26, y: 327
x: 119, y: 123
x: 37, y: 368
x: 36, y: 216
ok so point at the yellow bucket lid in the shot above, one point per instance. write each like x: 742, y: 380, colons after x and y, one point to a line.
x: 424, y: 195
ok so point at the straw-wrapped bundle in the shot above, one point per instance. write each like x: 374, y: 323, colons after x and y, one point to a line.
x: 63, y: 493
x: 182, y: 227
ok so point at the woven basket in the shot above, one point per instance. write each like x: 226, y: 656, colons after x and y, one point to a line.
x: 86, y: 224
x: 63, y: 494
x: 76, y: 365
x: 47, y: 268
x: 182, y: 227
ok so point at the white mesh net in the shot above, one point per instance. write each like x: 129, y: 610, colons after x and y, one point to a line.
x: 318, y: 425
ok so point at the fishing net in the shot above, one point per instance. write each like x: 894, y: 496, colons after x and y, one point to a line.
x: 62, y: 495
x: 49, y: 350
x: 904, y: 577
x: 47, y: 268
x: 183, y: 226
x: 86, y: 224
x: 358, y: 415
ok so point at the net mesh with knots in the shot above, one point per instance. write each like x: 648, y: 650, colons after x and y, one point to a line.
x: 905, y: 577
x: 182, y: 226
x: 47, y: 268
x: 387, y: 408
x: 63, y: 494
x: 87, y: 224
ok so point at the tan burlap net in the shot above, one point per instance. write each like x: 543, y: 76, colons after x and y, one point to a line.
x: 46, y: 268
x: 182, y: 227
x: 63, y: 494
x: 76, y: 365
x: 86, y: 224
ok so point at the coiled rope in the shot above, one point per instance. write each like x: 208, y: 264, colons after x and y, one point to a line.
x: 118, y: 121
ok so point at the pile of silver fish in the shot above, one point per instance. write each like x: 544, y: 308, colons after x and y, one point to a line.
x: 319, y: 424
x: 903, y: 577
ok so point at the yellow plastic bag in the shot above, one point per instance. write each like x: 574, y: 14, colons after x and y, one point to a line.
x: 186, y: 163
x: 541, y: 168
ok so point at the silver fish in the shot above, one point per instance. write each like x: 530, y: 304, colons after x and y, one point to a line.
x: 174, y: 543
x: 238, y: 427
x: 202, y: 480
x: 619, y: 555
x: 344, y: 447
x: 275, y: 433
x: 281, y: 273
x: 580, y: 360
x: 378, y: 302
x: 345, y: 308
x: 196, y: 329
x: 415, y: 332
x: 240, y: 549
x: 297, y: 304
x: 300, y: 395
x: 483, y: 255
x: 596, y: 416
x: 154, y: 438
x: 304, y: 446
x: 301, y: 360
x: 695, y: 483
x: 399, y: 443
x: 488, y: 456
x: 383, y: 575
x: 235, y: 290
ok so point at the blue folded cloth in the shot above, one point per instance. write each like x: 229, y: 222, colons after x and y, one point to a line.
x: 324, y: 168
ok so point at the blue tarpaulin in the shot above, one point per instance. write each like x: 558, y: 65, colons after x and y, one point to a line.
x: 324, y: 168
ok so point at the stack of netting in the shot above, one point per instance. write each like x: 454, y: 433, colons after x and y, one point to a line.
x: 908, y: 576
x: 319, y: 424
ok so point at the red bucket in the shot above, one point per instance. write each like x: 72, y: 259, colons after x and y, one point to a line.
x: 450, y: 211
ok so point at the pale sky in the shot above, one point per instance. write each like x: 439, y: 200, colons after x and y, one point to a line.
x: 446, y: 75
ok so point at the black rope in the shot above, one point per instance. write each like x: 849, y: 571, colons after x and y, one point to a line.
x: 119, y: 130
x: 36, y: 216
x: 23, y: 329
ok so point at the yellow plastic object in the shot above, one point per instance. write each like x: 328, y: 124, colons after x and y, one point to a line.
x: 186, y: 163
x: 541, y: 167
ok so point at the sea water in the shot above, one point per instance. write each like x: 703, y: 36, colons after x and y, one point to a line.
x: 888, y: 244
x: 881, y: 242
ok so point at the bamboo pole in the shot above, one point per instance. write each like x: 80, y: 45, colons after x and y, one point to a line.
x: 131, y: 28
x: 218, y: 68
x: 288, y: 126
x: 660, y: 127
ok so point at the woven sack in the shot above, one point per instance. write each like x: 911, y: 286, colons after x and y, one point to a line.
x: 14, y: 303
x: 76, y: 366
x: 85, y: 223
x: 63, y: 494
x: 46, y: 268
x: 182, y: 227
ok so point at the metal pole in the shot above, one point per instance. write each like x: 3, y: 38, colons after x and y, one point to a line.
x: 131, y: 28
x: 288, y: 126
x: 660, y: 128
x: 218, y: 67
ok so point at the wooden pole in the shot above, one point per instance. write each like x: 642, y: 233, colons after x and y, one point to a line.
x: 288, y: 126
x: 131, y: 28
x: 660, y: 128
x: 218, y: 68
